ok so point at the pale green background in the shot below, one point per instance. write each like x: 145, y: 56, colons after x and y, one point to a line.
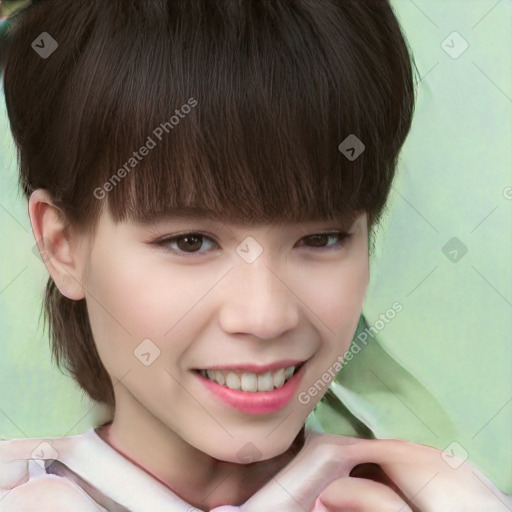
x: 454, y: 331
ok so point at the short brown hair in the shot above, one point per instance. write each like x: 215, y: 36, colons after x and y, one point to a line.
x: 278, y: 86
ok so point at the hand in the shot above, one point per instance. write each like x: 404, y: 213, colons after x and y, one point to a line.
x: 48, y: 493
x: 297, y: 486
x: 413, y: 477
x: 367, y: 488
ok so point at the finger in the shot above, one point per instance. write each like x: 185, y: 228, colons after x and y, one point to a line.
x: 408, y: 465
x: 351, y: 494
x: 296, y: 487
x: 376, y: 473
x: 387, y: 452
x: 429, y: 482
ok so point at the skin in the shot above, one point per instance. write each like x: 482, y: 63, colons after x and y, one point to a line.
x: 290, y: 303
x: 293, y: 302
x: 410, y: 477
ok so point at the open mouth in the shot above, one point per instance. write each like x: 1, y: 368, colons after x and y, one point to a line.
x: 250, y: 381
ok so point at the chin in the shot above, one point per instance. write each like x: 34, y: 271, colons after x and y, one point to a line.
x: 248, y: 449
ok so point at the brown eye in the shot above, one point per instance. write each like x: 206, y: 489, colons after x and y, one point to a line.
x: 188, y: 243
x: 320, y: 241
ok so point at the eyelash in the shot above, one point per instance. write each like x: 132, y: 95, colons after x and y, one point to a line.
x: 342, y: 236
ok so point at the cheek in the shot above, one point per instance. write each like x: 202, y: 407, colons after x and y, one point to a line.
x: 139, y: 298
x: 335, y: 294
x: 119, y: 298
x: 129, y: 302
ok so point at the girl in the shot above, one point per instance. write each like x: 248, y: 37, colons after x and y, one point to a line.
x: 202, y: 179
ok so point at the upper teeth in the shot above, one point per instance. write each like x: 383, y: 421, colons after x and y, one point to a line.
x: 249, y: 381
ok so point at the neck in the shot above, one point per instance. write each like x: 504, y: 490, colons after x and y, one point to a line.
x: 202, y: 481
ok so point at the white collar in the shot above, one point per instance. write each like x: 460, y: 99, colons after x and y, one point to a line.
x: 118, y: 478
x: 96, y: 462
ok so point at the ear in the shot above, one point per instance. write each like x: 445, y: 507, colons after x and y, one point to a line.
x: 59, y: 246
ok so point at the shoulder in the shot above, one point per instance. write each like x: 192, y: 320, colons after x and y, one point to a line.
x: 25, y: 486
x: 48, y: 492
x: 17, y: 457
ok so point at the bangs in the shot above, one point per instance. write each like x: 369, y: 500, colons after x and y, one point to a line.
x: 240, y: 107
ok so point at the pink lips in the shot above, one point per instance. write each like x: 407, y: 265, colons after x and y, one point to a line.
x: 262, y: 402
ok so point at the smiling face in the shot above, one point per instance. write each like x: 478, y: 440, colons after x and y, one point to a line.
x: 260, y: 137
x: 240, y: 305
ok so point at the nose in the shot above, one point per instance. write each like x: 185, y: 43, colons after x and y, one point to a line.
x: 258, y: 301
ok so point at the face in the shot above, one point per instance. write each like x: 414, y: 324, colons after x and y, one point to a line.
x: 186, y: 310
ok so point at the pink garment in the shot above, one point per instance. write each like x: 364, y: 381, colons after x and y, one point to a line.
x: 101, y: 477
x: 113, y: 483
